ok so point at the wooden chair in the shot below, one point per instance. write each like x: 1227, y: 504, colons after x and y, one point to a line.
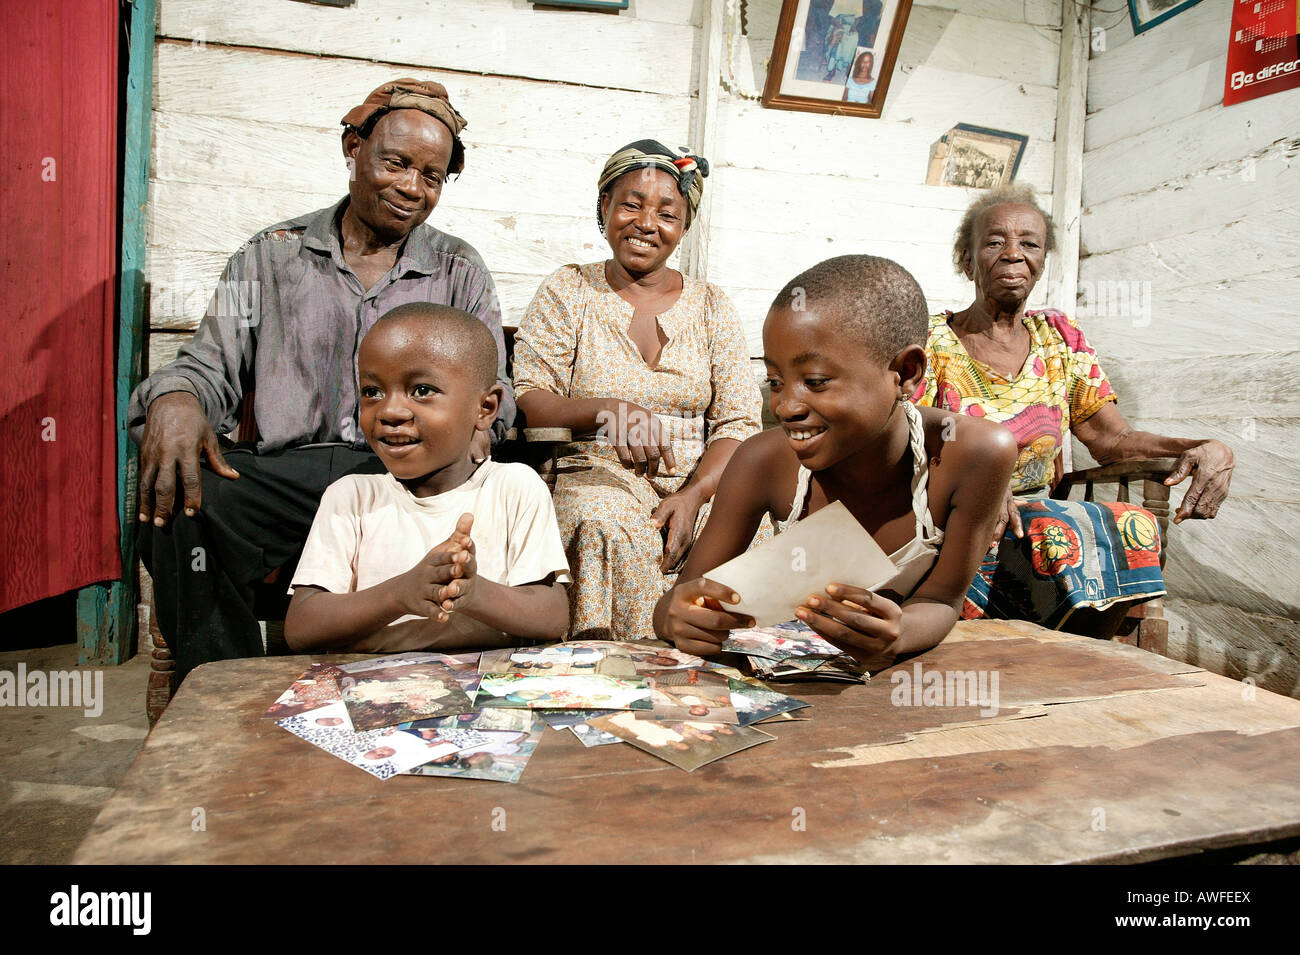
x: 1144, y: 625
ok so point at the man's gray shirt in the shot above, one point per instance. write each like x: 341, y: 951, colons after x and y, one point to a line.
x: 287, y: 319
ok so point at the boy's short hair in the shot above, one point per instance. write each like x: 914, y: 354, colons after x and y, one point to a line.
x: 467, y: 340
x: 874, y: 301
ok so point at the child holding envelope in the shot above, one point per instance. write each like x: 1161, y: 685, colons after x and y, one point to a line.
x: 844, y: 349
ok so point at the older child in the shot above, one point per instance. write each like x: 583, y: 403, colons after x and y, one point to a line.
x: 843, y: 345
x: 441, y: 551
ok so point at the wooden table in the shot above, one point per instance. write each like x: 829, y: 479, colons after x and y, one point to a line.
x: 1099, y: 752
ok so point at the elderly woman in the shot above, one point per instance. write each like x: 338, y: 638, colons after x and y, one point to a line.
x: 1036, y: 373
x: 654, y: 363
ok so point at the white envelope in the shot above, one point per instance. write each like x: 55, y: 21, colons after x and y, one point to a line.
x: 779, y: 575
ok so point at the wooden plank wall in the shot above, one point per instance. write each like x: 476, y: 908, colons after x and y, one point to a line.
x: 1192, y: 211
x: 248, y: 97
x: 249, y: 93
x: 795, y: 188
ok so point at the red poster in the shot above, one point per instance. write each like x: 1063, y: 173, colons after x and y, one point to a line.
x: 1263, y: 49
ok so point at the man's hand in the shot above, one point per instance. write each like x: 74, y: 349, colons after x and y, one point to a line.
x: 424, y: 589
x: 639, y: 440
x: 864, y: 624
x: 1008, y: 516
x: 678, y: 512
x: 176, y: 433
x: 695, y: 621
x: 1210, y: 465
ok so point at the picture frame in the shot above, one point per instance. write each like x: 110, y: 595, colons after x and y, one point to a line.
x: 835, y: 56
x: 976, y: 157
x: 609, y: 6
x: 1146, y: 14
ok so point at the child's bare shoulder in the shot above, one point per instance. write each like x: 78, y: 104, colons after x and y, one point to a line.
x: 965, y: 441
x: 765, y: 469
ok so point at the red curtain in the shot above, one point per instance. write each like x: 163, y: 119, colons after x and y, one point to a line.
x: 58, y: 242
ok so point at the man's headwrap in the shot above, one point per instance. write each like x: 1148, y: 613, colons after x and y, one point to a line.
x: 689, y: 171
x: 426, y: 96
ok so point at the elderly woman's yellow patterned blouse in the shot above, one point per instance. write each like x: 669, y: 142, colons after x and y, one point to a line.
x: 1060, y: 385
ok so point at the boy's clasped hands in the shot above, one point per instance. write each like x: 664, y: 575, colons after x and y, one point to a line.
x: 443, y: 581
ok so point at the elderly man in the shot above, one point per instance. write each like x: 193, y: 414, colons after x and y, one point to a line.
x: 282, y: 333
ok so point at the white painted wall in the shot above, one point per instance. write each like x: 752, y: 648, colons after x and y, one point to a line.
x: 792, y: 188
x: 248, y: 94
x: 1200, y: 206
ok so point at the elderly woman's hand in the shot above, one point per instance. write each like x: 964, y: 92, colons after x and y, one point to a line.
x: 1210, y: 466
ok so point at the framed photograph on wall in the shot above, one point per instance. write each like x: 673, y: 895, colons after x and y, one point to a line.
x: 612, y: 6
x: 975, y: 157
x: 835, y: 56
x: 1147, y: 13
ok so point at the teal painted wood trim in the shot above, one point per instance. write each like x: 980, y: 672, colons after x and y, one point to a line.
x: 106, y: 612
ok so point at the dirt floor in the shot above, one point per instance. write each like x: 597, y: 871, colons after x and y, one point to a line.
x: 58, y: 766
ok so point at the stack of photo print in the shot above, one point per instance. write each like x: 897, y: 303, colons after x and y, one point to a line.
x: 482, y: 715
x: 793, y: 651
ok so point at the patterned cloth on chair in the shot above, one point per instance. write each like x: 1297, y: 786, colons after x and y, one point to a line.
x: 1074, y: 554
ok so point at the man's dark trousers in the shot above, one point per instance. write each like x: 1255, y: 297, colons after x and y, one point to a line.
x: 206, y: 569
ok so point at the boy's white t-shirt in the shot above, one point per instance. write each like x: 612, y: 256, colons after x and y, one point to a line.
x: 369, y: 529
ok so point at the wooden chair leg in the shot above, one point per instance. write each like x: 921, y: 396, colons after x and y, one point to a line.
x: 1155, y: 498
x: 1145, y: 626
x: 1153, y: 630
x: 162, y: 672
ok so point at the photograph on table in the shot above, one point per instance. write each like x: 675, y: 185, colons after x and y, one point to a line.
x: 487, y: 718
x: 652, y: 657
x: 589, y: 736
x: 604, y: 657
x: 781, y: 642
x: 687, y: 745
x: 318, y: 686
x: 382, y: 753
x: 501, y: 756
x: 548, y: 692
x: 689, y: 694
x: 755, y: 702
x: 567, y: 719
x: 390, y: 695
x: 393, y: 660
x: 835, y: 56
x: 562, y: 659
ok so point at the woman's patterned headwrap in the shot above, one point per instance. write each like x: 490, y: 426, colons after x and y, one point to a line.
x: 689, y: 171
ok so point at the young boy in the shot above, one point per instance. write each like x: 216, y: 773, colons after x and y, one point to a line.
x: 440, y: 552
x: 844, y: 348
